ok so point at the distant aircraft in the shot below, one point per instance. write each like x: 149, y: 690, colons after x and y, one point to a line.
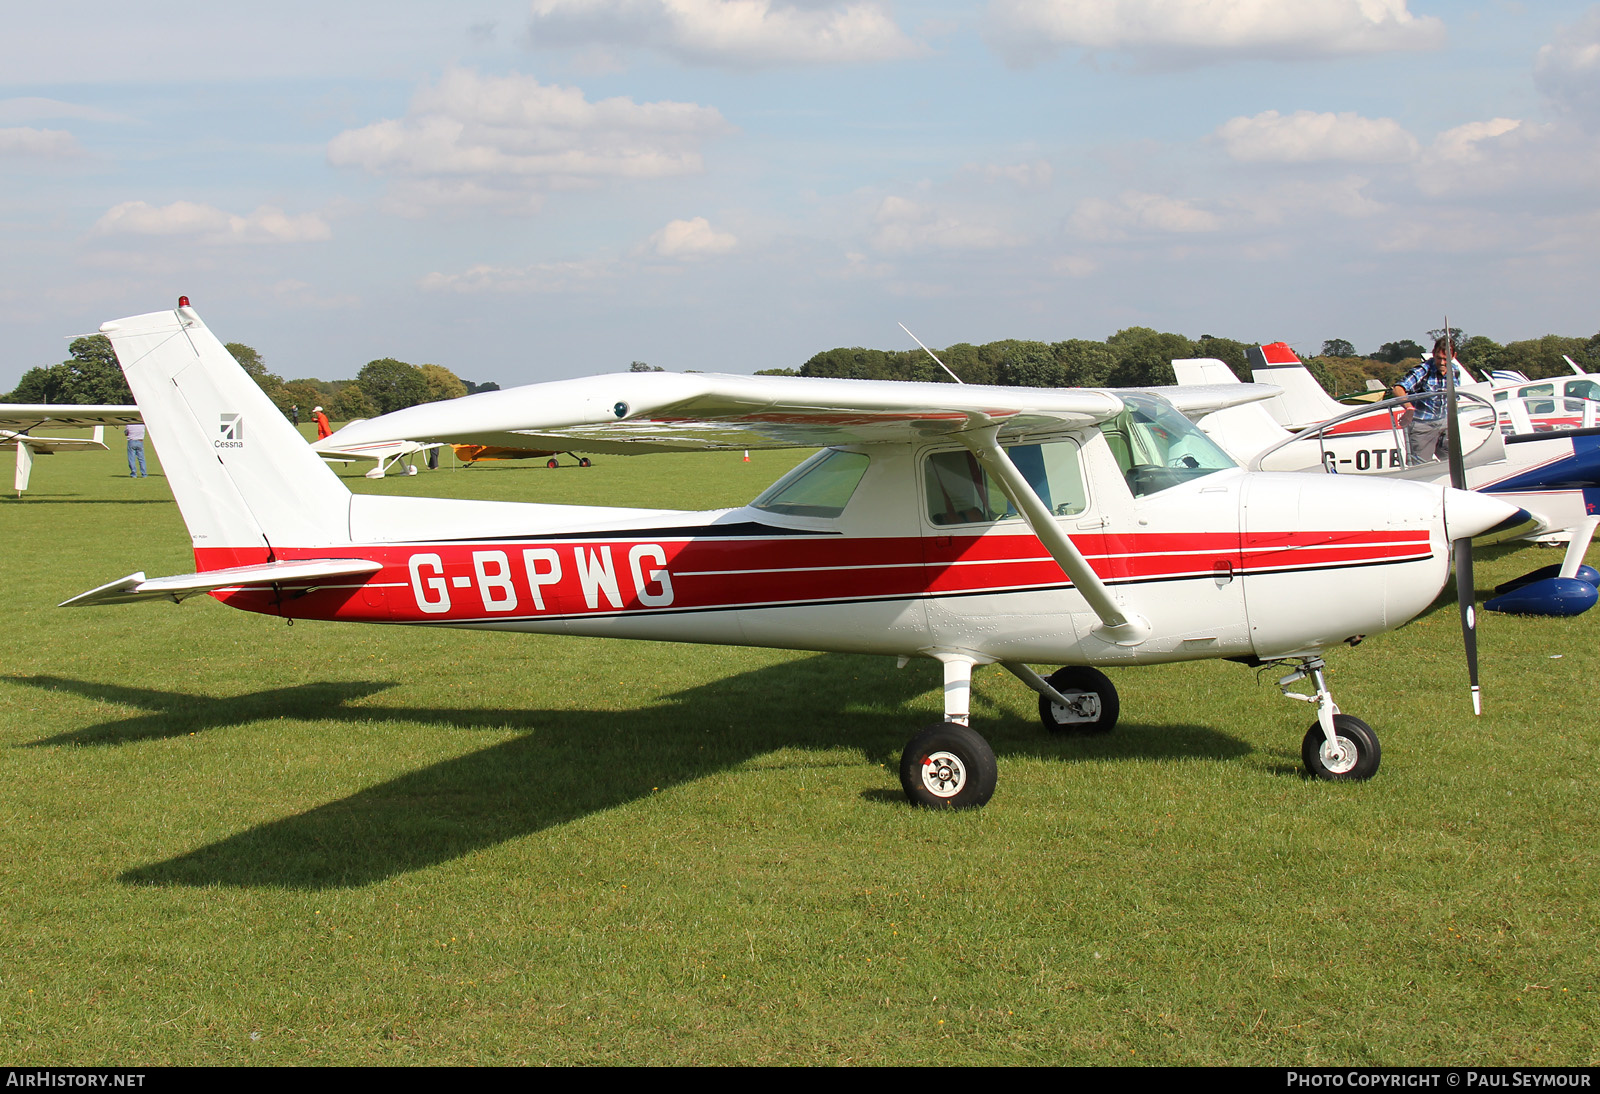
x: 965, y: 524
x: 388, y: 454
x: 474, y: 453
x: 18, y: 420
x: 1552, y: 474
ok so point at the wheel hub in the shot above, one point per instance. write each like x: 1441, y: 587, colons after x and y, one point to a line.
x: 1081, y: 706
x: 943, y: 774
x: 1338, y: 755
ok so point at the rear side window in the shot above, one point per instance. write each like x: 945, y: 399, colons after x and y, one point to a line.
x: 820, y: 487
x: 959, y: 491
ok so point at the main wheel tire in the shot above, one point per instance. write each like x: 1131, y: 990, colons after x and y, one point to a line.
x: 552, y: 463
x: 948, y: 766
x: 1094, y: 705
x: 1359, y: 751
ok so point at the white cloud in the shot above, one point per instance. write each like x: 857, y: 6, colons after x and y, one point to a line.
x: 491, y: 140
x: 1028, y: 176
x: 1528, y: 162
x: 1468, y: 145
x: 267, y: 224
x: 1133, y: 211
x: 729, y: 33
x: 691, y: 239
x: 906, y: 226
x: 1568, y: 70
x: 1195, y: 31
x: 1074, y: 265
x: 33, y: 108
x: 544, y: 277
x: 1308, y: 137
x: 49, y: 144
x: 1304, y: 201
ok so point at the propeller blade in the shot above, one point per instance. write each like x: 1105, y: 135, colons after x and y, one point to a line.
x: 1466, y: 599
x: 1466, y: 591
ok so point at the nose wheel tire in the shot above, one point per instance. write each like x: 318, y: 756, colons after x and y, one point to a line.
x: 948, y: 766
x: 1355, y: 758
x: 1092, y: 705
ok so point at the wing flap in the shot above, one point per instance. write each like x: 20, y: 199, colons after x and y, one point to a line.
x: 136, y: 587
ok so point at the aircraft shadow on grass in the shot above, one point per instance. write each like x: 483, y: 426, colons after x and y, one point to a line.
x: 564, y: 764
x: 36, y: 499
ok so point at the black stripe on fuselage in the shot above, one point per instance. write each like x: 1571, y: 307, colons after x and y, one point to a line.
x: 1010, y: 590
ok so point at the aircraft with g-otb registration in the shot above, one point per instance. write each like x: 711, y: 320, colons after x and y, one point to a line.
x: 1513, y: 447
x: 970, y: 525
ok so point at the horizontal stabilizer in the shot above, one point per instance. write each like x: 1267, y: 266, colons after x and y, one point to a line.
x: 1196, y: 400
x: 138, y: 587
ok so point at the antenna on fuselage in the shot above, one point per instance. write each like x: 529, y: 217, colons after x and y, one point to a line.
x: 932, y: 354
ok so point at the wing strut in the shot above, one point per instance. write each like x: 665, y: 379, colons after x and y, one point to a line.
x: 24, y: 467
x: 1117, y: 624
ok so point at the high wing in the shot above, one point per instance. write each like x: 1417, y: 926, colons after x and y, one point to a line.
x: 22, y: 417
x: 44, y: 446
x: 662, y: 412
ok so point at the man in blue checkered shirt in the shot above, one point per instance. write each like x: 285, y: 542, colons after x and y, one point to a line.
x: 1425, y: 432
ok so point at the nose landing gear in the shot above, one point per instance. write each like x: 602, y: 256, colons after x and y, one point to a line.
x: 1338, y: 747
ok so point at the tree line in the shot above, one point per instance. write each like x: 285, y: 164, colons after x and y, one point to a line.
x: 1132, y: 357
x: 91, y: 375
x: 1142, y: 357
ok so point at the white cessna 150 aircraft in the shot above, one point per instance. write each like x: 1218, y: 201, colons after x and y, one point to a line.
x: 970, y: 525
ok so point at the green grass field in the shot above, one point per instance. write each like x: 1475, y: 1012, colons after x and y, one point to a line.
x: 230, y: 841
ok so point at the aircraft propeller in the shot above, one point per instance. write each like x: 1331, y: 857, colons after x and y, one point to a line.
x: 1466, y: 590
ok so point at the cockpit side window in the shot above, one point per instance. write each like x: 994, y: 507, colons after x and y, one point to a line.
x: 819, y: 487
x: 959, y: 491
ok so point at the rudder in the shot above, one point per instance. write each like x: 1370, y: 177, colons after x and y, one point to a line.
x: 244, y: 478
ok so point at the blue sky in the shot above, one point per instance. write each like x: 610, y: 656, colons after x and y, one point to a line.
x: 528, y: 190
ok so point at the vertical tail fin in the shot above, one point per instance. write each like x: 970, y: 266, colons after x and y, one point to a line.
x: 244, y: 479
x: 1303, y: 402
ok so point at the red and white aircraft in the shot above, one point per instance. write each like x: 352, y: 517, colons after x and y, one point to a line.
x: 970, y: 525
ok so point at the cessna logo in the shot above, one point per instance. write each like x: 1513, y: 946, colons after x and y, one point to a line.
x: 232, y: 432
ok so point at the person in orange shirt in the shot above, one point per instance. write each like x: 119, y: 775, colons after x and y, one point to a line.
x: 323, y: 428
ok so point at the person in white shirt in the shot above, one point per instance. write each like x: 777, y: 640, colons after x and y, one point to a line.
x: 135, y: 433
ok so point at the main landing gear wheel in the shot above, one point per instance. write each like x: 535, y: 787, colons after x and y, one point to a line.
x: 948, y: 766
x: 1092, y: 705
x: 552, y: 463
x: 1357, y: 755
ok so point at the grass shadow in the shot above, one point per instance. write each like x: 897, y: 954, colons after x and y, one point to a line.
x: 563, y: 765
x: 175, y: 714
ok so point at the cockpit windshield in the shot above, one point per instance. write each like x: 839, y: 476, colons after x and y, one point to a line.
x: 1157, y: 447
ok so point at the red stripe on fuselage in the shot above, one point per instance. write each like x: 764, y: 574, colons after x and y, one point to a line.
x: 487, y: 581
